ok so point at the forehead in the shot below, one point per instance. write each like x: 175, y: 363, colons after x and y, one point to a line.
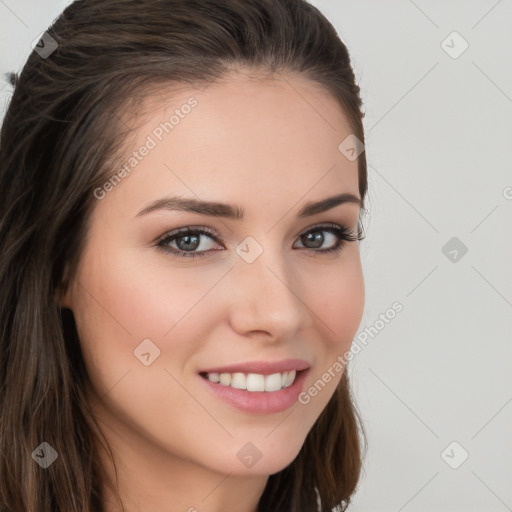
x: 246, y: 137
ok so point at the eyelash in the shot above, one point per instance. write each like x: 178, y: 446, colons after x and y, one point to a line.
x: 342, y: 232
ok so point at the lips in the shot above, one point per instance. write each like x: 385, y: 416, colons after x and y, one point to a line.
x: 260, y: 367
x: 271, y: 399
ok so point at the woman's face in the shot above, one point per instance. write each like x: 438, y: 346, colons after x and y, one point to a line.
x: 259, y: 297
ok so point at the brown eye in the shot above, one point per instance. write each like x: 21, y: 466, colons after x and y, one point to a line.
x: 189, y: 243
x: 335, y: 239
x: 313, y: 239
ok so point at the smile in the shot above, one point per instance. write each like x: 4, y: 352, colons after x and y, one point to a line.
x: 256, y: 393
x: 253, y: 382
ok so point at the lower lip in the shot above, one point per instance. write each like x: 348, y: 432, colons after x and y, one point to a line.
x: 259, y: 402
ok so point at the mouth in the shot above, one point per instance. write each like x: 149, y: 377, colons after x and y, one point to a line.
x: 257, y: 387
x: 254, y: 382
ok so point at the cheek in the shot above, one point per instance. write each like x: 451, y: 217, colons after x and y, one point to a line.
x: 339, y: 307
x: 339, y: 310
x: 118, y: 308
x: 124, y: 300
x: 146, y: 295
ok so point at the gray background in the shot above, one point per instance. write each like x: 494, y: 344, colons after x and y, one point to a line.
x: 438, y: 130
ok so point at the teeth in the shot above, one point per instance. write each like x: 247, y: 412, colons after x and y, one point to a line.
x: 290, y: 378
x: 225, y: 379
x: 254, y: 381
x: 273, y: 382
x: 238, y: 380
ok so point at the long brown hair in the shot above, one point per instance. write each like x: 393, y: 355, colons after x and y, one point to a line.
x: 60, y: 135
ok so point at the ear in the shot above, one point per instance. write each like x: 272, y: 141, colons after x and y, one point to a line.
x: 62, y: 295
x: 64, y: 300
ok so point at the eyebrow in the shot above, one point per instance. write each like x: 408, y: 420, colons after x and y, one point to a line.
x: 214, y: 209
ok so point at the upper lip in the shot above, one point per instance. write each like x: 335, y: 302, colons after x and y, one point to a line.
x: 261, y: 367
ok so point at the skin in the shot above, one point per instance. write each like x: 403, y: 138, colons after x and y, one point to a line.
x: 269, y: 145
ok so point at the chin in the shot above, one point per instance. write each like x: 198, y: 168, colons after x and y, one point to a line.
x: 258, y: 458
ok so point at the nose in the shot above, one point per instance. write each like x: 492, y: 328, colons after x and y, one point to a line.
x: 265, y: 299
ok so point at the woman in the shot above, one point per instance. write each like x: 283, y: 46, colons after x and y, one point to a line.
x: 182, y: 188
